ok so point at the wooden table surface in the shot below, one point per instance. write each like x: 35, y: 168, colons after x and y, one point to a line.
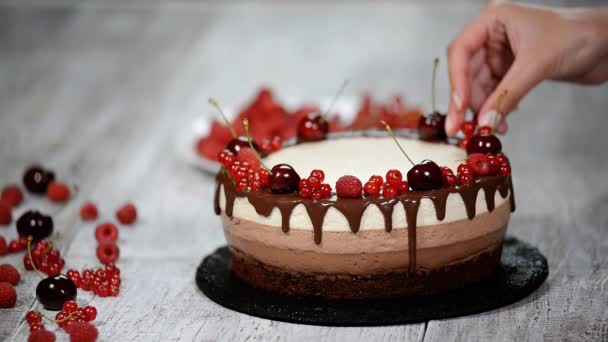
x: 97, y: 91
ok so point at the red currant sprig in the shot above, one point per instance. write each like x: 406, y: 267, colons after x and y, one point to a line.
x: 313, y: 186
x: 43, y: 257
x: 104, y: 282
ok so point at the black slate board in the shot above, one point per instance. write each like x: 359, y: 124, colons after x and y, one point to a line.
x: 523, y: 269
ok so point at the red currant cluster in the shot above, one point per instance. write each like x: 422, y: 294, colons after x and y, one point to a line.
x: 243, y: 172
x: 104, y: 282
x: 45, y: 258
x: 313, y: 186
x: 14, y: 246
x: 394, y: 185
x: 74, y: 320
x: 479, y: 165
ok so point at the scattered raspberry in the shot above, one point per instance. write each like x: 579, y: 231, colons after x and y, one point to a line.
x: 88, y: 212
x: 12, y: 195
x: 3, y: 246
x: 9, y: 274
x: 107, y: 252
x: 349, y: 187
x: 58, y: 192
x: 8, y: 296
x: 82, y: 332
x: 247, y: 155
x: 106, y: 232
x: 41, y: 336
x: 127, y: 214
x: 6, y: 216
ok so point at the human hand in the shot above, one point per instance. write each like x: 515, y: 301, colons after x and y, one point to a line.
x: 511, y: 47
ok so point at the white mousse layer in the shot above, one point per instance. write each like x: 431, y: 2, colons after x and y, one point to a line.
x: 363, y: 157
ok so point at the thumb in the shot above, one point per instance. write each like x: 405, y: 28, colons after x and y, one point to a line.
x: 518, y: 81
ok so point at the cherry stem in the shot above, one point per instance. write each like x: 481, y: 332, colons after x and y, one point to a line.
x: 246, y: 125
x: 333, y: 100
x: 29, y: 254
x: 433, y: 103
x: 219, y: 109
x: 390, y: 131
x: 499, y: 102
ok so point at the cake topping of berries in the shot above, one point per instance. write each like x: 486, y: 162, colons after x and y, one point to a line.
x: 423, y: 176
x: 283, y: 179
x: 373, y: 186
x: 313, y: 186
x: 237, y: 142
x: 35, y: 224
x: 432, y: 126
x: 485, y: 141
x: 349, y: 187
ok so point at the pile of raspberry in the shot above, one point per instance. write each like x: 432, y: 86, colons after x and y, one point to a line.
x: 104, y: 282
x: 245, y: 169
x: 45, y: 258
x: 394, y: 185
x: 313, y: 186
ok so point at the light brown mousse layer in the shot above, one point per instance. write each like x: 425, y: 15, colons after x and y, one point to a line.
x: 369, y: 251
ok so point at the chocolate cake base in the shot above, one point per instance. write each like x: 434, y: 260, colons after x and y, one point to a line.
x: 347, y: 286
x: 521, y: 271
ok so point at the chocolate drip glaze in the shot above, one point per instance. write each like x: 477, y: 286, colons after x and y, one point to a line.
x: 264, y: 202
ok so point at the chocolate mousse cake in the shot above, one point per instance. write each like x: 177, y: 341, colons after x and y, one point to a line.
x: 367, y: 222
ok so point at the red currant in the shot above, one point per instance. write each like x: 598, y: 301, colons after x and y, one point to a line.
x: 70, y: 306
x: 242, y: 185
x: 325, y: 190
x: 450, y: 179
x: 90, y: 313
x: 389, y: 191
x: 33, y: 317
x: 468, y: 128
x: 371, y: 188
x: 404, y: 187
x: 319, y: 174
x: 464, y: 168
x: 264, y: 176
x: 394, y: 177
x: 36, y: 327
x: 485, y: 130
x: 464, y: 142
x: 376, y: 180
x: 505, y: 170
x: 314, y: 183
x: 465, y: 178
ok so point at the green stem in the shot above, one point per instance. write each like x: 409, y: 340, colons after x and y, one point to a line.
x: 390, y: 131
x: 333, y: 100
x: 246, y: 125
x: 433, y: 103
x: 219, y: 109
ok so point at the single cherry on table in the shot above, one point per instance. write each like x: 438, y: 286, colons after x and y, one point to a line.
x: 53, y: 291
x: 36, y: 179
x: 35, y: 224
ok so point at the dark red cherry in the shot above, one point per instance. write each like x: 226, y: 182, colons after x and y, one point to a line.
x: 425, y: 175
x: 283, y: 179
x: 484, y: 144
x: 36, y: 179
x: 53, y: 291
x: 432, y: 126
x: 236, y: 144
x: 35, y: 224
x: 312, y: 127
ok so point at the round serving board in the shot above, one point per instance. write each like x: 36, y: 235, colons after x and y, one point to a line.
x: 523, y: 269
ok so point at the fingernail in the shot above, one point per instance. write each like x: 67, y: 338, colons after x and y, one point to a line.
x: 457, y: 100
x: 502, y: 126
x: 488, y: 118
x: 449, y: 123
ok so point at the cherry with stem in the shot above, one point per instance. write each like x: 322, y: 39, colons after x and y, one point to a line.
x: 432, y: 126
x: 314, y: 126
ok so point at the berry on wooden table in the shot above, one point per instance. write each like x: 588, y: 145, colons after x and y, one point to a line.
x: 349, y: 187
x: 53, y: 291
x: 35, y: 224
x: 9, y: 274
x: 107, y: 252
x: 6, y: 215
x: 106, y: 232
x: 42, y: 335
x: 90, y: 313
x: 8, y: 295
x: 33, y: 317
x: 58, y: 192
x: 127, y: 214
x: 12, y: 195
x: 82, y: 332
x: 88, y: 212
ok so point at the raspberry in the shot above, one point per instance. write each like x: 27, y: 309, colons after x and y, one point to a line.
x: 88, y: 212
x: 82, y: 332
x: 6, y: 216
x: 3, y: 246
x: 480, y: 164
x: 127, y: 214
x: 107, y: 252
x: 349, y: 187
x: 11, y: 194
x: 106, y: 232
x: 58, y: 192
x: 9, y: 274
x: 248, y: 155
x: 41, y: 336
x: 8, y: 296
